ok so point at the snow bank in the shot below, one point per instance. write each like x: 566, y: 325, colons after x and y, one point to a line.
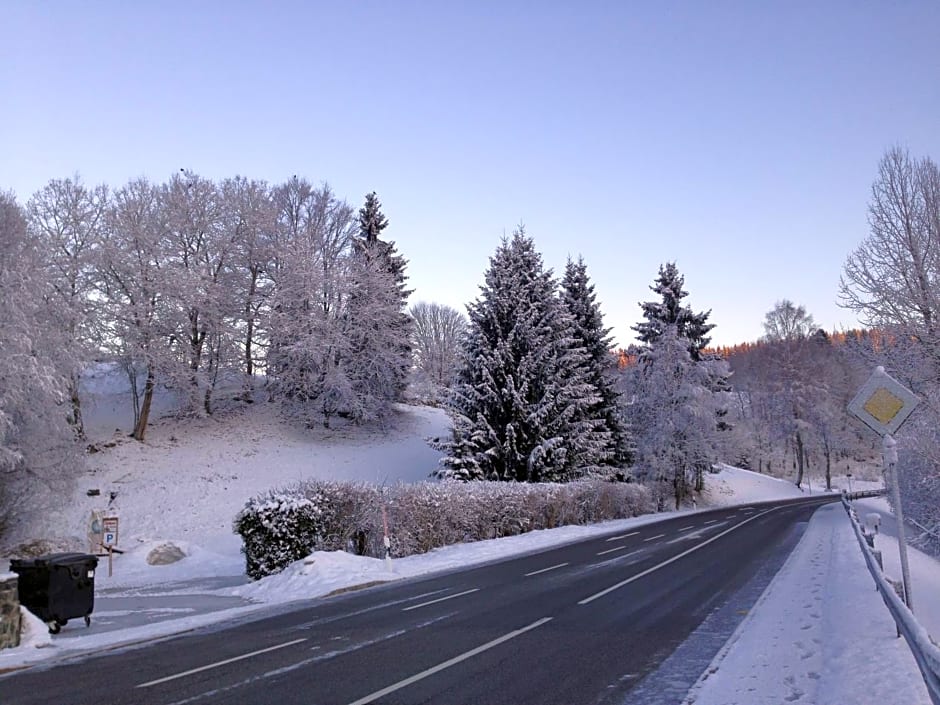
x: 318, y: 574
x: 925, y: 570
x: 34, y: 633
x: 819, y: 634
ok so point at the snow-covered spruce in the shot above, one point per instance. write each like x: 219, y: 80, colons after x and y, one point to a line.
x: 285, y: 525
x: 525, y: 407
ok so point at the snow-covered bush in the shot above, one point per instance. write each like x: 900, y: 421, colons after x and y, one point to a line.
x: 279, y: 528
x: 286, y: 525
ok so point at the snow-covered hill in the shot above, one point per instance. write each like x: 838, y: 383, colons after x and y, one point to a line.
x: 736, y: 486
x: 191, y: 476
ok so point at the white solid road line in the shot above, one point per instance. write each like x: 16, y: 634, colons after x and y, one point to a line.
x: 622, y: 536
x: 653, y: 538
x: 372, y: 697
x: 440, y: 599
x: 619, y: 585
x: 219, y: 663
x: 611, y: 550
x: 545, y: 570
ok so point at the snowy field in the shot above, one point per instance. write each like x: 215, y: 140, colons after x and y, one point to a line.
x: 810, y: 639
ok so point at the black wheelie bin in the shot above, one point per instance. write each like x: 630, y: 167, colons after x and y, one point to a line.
x: 57, y: 587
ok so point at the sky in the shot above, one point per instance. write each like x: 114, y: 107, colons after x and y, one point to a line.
x: 738, y: 139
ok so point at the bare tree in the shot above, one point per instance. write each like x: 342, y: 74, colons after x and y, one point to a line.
x: 437, y: 333
x: 201, y: 304
x: 133, y: 285
x: 309, y: 353
x: 248, y: 215
x: 36, y: 442
x: 892, y: 281
x: 66, y: 219
x: 893, y: 278
x: 788, y: 321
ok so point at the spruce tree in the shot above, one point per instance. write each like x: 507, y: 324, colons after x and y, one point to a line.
x: 669, y: 323
x: 371, y: 219
x: 577, y: 294
x: 691, y: 326
x: 377, y: 309
x: 519, y: 408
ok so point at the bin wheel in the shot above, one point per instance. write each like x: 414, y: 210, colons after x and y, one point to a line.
x: 54, y: 627
x: 87, y: 621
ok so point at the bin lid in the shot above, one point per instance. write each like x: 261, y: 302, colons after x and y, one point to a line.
x: 18, y: 564
x: 56, y: 559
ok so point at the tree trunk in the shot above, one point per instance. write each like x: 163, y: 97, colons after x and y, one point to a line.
x: 135, y: 395
x: 828, y: 451
x: 249, y: 363
x: 250, y: 331
x: 215, y: 364
x: 140, y: 428
x: 76, y: 419
x: 799, y: 460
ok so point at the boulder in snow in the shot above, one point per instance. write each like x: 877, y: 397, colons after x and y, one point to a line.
x: 164, y: 554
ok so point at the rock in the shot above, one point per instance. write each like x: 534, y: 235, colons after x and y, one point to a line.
x: 164, y: 554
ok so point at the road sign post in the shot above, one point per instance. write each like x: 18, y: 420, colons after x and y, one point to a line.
x: 884, y: 404
x: 109, y: 540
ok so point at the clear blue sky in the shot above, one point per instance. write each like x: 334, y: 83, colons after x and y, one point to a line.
x: 738, y: 138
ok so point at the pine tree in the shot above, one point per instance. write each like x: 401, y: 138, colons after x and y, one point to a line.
x: 377, y: 308
x: 371, y: 219
x: 670, y: 323
x: 692, y: 326
x: 577, y: 294
x: 520, y: 404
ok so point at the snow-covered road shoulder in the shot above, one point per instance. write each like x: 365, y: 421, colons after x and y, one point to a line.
x: 819, y: 634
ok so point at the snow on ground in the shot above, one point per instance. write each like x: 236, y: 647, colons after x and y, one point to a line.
x: 190, y: 477
x: 737, y: 486
x: 820, y: 634
x: 34, y: 633
x: 925, y: 576
x: 323, y: 572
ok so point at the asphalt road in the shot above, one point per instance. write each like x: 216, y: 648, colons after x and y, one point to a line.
x: 588, y: 622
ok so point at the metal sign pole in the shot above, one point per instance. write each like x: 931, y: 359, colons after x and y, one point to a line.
x: 891, y: 475
x: 884, y: 404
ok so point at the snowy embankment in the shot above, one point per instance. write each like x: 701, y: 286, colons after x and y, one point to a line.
x: 190, y: 477
x: 736, y: 486
x: 925, y: 578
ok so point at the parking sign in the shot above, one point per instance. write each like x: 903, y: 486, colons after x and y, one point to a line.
x: 110, y: 526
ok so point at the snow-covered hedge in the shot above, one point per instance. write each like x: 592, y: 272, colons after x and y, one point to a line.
x: 285, y: 525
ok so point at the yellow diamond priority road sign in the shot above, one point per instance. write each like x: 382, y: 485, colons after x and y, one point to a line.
x: 883, y: 403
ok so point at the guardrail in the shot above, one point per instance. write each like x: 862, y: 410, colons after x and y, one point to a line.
x: 926, y: 653
x: 864, y: 493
